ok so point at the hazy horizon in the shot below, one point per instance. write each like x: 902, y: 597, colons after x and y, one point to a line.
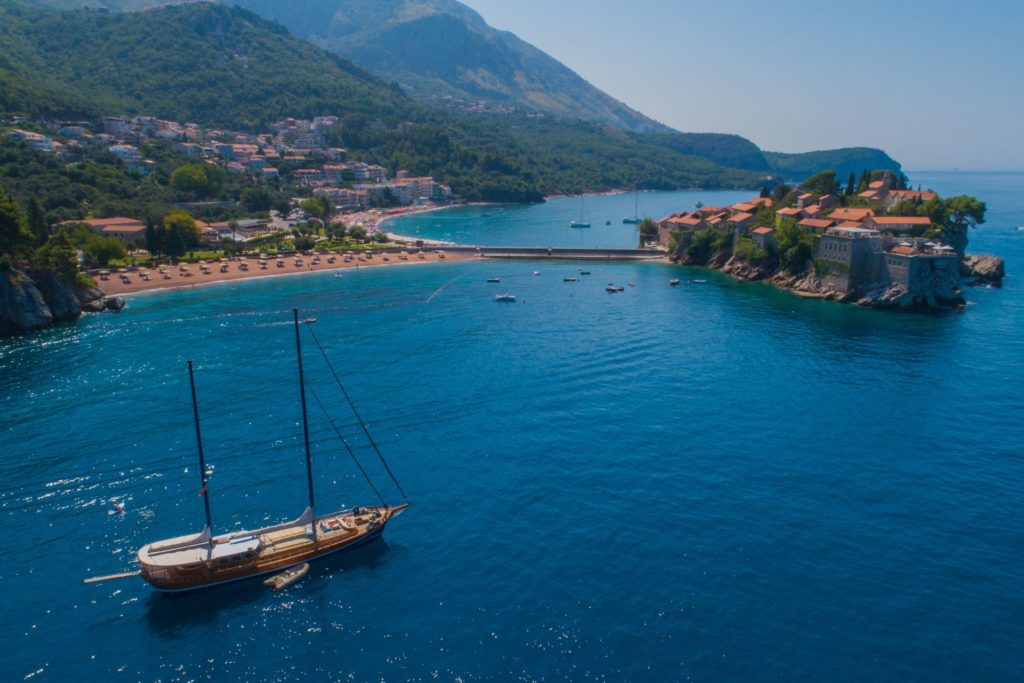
x: 934, y: 84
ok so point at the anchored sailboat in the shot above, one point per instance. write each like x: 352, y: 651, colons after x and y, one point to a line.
x: 635, y: 220
x: 203, y: 560
x: 584, y: 220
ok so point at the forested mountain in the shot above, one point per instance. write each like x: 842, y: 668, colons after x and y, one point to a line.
x: 845, y: 161
x: 435, y: 48
x: 224, y: 66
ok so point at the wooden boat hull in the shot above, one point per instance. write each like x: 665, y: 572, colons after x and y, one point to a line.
x: 206, y: 574
x: 278, y: 570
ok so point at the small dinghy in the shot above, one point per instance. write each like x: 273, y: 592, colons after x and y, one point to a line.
x: 568, y: 279
x: 536, y: 273
x: 494, y: 280
x: 287, y: 577
x: 506, y: 298
x: 611, y: 289
x: 674, y: 281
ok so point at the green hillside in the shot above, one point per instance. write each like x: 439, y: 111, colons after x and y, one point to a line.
x: 845, y: 161
x: 224, y: 66
x: 439, y: 48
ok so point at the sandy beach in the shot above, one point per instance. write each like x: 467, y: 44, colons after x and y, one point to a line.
x: 192, y: 275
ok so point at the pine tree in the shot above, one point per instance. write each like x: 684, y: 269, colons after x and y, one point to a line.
x: 13, y: 233
x: 37, y: 226
x: 154, y: 238
x: 865, y: 181
x: 851, y: 184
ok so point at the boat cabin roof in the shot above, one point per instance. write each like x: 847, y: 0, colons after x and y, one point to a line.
x: 195, y: 549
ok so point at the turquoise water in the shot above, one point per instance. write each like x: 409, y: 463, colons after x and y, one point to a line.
x: 547, y: 225
x: 712, y: 481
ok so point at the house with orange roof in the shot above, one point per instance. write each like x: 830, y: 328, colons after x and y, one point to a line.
x: 125, y: 229
x: 903, y: 223
x: 805, y: 199
x: 764, y: 237
x: 816, y: 225
x: 741, y: 222
x: 855, y: 215
x: 792, y: 213
x: 897, y: 196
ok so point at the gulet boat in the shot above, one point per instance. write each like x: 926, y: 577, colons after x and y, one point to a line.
x: 204, y: 560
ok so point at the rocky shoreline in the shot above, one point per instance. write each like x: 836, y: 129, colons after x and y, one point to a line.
x: 33, y: 300
x: 942, y: 293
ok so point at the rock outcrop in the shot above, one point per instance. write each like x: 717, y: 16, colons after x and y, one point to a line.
x: 22, y: 307
x: 934, y: 290
x: 747, y: 270
x: 984, y: 269
x: 37, y: 301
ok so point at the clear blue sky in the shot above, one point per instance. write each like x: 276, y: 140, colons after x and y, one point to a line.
x: 939, y: 84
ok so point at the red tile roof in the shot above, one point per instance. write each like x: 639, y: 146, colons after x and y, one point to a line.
x: 763, y: 231
x: 903, y: 220
x: 912, y: 194
x: 844, y: 214
x: 816, y: 223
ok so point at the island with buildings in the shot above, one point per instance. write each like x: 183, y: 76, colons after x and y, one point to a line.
x: 878, y: 243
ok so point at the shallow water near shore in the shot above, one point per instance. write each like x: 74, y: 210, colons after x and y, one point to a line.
x: 711, y: 481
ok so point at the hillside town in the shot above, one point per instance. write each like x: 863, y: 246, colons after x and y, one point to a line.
x: 294, y: 151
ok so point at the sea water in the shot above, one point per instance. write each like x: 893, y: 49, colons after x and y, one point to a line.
x: 711, y: 481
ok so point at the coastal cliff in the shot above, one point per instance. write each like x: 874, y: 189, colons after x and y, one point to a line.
x: 37, y: 300
x: 930, y: 290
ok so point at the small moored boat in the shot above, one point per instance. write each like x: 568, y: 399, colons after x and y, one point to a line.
x: 494, y: 280
x: 674, y: 281
x: 287, y: 577
x: 568, y: 279
x: 505, y: 298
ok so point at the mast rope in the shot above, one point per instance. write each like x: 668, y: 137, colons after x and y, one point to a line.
x: 355, y: 412
x: 345, y: 442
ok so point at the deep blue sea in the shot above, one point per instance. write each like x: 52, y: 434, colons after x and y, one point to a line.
x: 716, y: 481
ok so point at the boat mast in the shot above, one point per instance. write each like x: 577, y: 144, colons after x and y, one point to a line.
x: 199, y: 442
x: 305, y: 419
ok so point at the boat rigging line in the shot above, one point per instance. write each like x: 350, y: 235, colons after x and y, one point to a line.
x: 345, y: 442
x: 355, y: 412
